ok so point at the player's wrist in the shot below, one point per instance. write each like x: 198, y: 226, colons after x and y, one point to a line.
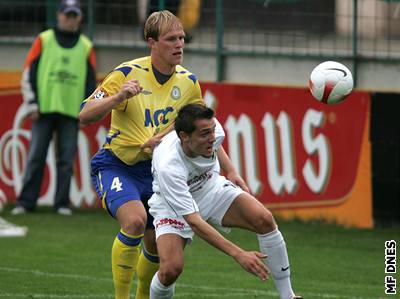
x: 120, y: 97
x: 236, y: 253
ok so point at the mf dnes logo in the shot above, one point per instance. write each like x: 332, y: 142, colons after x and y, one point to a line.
x: 159, y: 116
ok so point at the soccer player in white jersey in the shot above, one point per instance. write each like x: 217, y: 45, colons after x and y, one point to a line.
x: 189, y: 190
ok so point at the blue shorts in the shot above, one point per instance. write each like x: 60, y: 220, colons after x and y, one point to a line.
x: 117, y: 183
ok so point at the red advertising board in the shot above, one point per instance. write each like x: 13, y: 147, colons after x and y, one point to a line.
x: 293, y: 151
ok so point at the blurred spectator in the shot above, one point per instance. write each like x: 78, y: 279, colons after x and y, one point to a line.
x: 59, y: 73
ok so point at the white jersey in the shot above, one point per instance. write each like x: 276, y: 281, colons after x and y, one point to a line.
x: 182, y: 182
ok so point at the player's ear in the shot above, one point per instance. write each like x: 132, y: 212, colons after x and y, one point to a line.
x: 183, y: 136
x: 151, y: 42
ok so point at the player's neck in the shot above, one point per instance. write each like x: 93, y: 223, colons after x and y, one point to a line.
x: 191, y: 154
x: 188, y: 152
x: 160, y: 77
x: 161, y: 67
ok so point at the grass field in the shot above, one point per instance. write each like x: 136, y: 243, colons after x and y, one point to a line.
x: 69, y: 257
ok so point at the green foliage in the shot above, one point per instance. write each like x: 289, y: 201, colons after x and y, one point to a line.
x: 69, y: 257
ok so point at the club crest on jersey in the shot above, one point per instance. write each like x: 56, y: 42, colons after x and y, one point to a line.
x: 175, y: 93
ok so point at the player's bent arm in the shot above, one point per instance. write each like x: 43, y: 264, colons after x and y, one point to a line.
x: 250, y: 261
x: 230, y: 170
x: 224, y: 161
x: 95, y: 110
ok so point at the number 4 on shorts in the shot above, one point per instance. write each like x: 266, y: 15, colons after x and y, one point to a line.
x: 116, y: 184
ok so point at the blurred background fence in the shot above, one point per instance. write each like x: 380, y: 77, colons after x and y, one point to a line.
x: 357, y: 30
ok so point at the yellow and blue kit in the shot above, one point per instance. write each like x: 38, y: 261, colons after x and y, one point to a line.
x: 121, y: 169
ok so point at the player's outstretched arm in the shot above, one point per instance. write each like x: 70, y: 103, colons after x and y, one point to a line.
x: 251, y: 261
x: 95, y: 110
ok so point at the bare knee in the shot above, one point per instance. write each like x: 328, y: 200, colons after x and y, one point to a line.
x: 133, y: 224
x: 169, y: 272
x: 132, y: 217
x: 264, y: 222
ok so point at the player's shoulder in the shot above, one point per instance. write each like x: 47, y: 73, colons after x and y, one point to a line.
x: 185, y: 73
x: 166, y: 154
x: 167, y: 145
x: 219, y: 134
x: 141, y: 64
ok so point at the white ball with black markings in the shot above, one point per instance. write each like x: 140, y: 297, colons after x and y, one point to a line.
x: 331, y: 82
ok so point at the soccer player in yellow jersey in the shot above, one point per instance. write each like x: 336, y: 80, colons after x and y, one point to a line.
x: 143, y: 96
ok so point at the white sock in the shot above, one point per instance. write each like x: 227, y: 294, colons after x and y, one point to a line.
x: 273, y: 245
x: 159, y: 291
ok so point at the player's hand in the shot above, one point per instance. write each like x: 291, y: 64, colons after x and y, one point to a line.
x: 252, y: 262
x: 130, y: 89
x: 235, y: 178
x: 150, y: 144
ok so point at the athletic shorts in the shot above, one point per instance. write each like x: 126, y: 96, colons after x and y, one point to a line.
x: 212, y: 208
x: 117, y: 183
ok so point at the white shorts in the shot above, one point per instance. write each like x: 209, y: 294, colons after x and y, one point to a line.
x: 212, y: 208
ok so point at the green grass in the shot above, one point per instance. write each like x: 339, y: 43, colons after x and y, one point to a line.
x: 69, y: 257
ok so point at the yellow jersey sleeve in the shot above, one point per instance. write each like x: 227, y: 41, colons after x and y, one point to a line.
x: 196, y: 97
x: 110, y: 86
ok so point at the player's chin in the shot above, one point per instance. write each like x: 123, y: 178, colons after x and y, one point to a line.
x: 208, y: 153
x: 178, y: 58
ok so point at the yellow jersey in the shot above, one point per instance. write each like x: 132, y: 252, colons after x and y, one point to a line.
x: 140, y: 117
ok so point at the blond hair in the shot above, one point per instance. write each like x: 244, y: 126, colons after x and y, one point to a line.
x: 158, y: 23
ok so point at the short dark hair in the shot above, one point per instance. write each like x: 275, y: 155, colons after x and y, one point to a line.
x: 188, y: 114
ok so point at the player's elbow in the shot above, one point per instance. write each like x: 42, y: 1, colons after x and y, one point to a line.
x: 83, y: 117
x: 86, y: 117
x: 83, y: 120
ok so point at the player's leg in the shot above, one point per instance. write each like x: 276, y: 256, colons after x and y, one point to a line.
x: 172, y: 234
x: 248, y: 213
x: 126, y: 247
x: 42, y: 132
x: 148, y: 264
x: 170, y: 249
x: 120, y: 196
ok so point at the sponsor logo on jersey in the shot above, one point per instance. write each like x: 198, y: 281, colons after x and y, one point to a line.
x: 159, y: 116
x: 171, y: 222
x: 175, y: 93
x: 197, y: 182
x: 100, y: 94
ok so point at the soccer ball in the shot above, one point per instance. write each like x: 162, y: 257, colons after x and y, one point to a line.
x: 331, y: 82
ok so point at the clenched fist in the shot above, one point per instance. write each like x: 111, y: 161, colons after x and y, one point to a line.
x: 130, y: 89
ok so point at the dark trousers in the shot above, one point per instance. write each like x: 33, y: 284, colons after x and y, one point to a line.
x: 66, y: 140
